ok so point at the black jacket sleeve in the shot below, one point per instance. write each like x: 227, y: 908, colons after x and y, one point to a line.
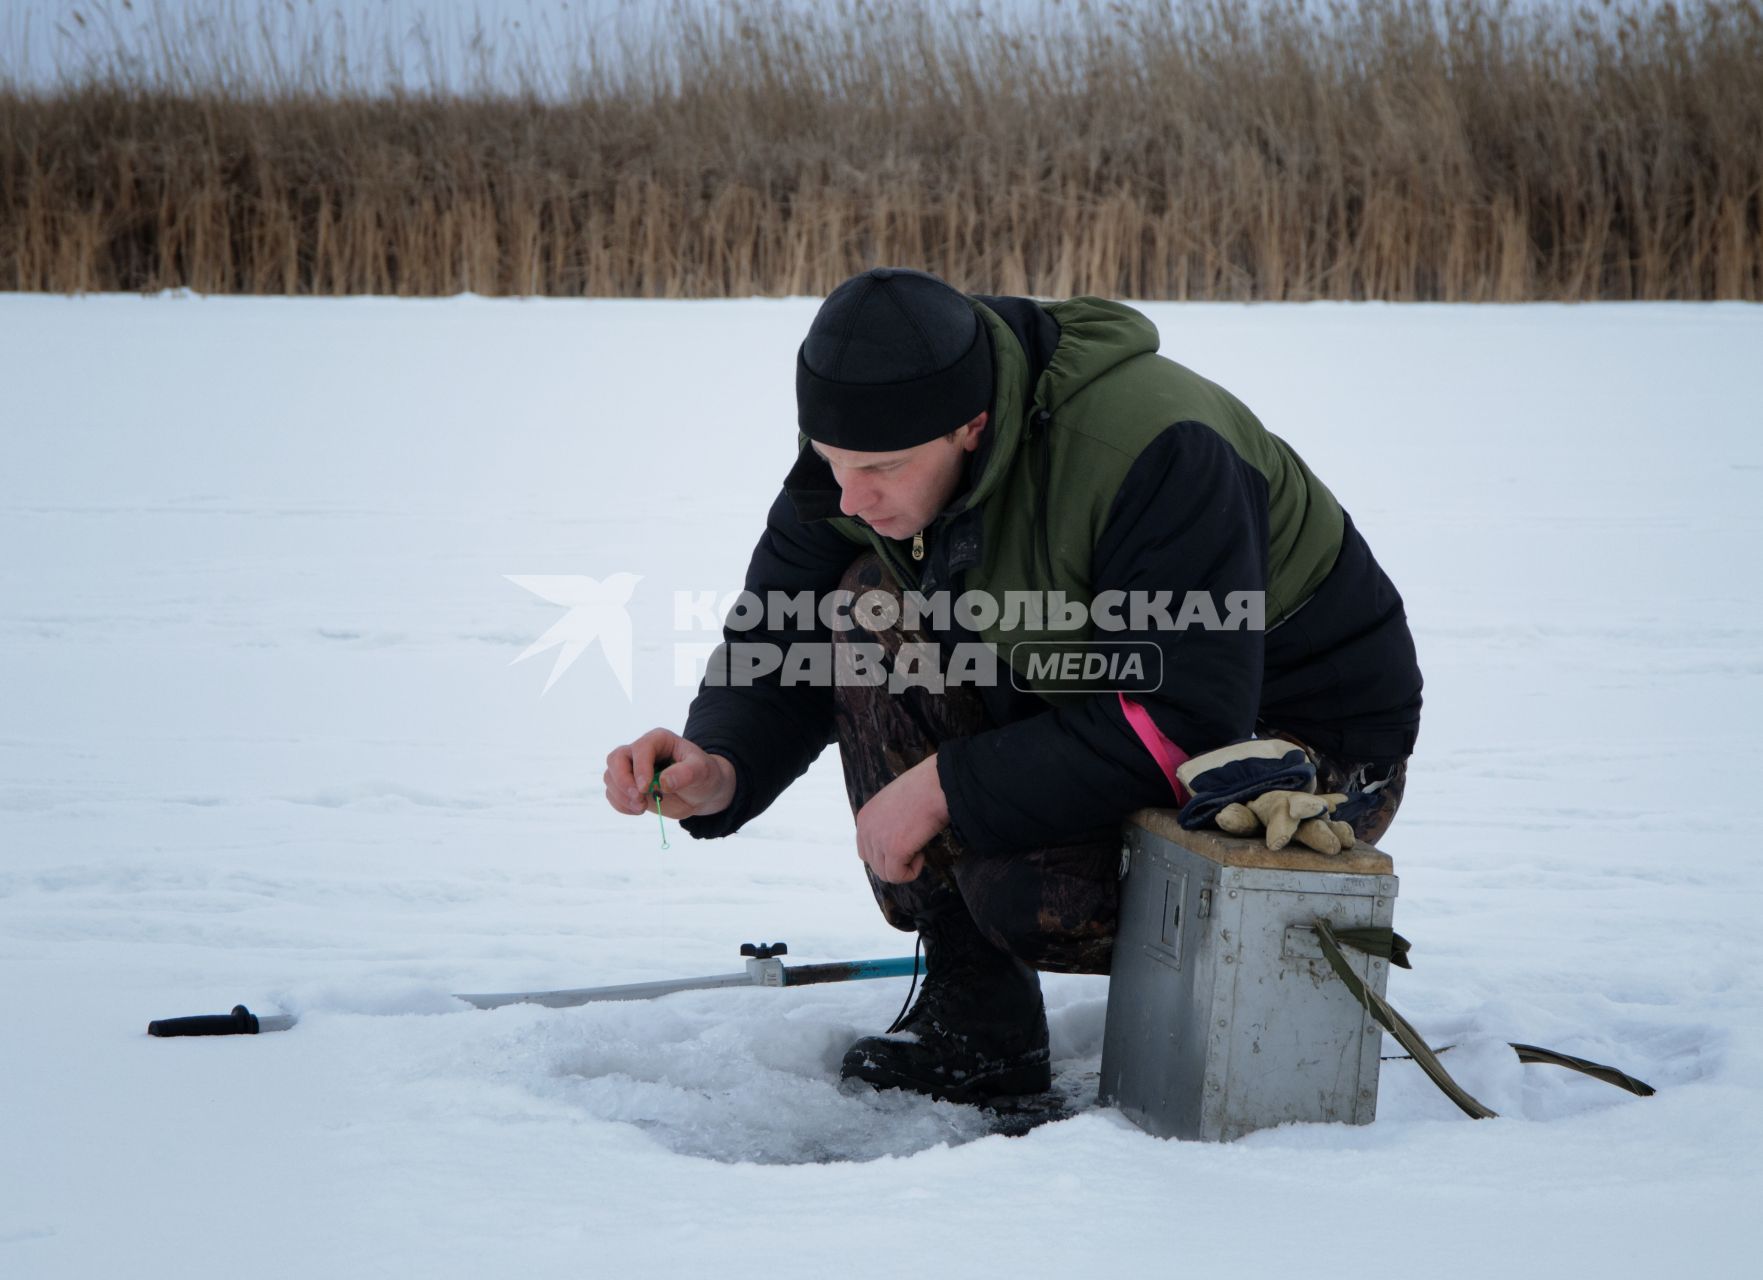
x: 771, y: 732
x: 1191, y: 515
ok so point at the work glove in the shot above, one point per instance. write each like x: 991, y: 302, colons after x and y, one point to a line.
x: 1264, y: 785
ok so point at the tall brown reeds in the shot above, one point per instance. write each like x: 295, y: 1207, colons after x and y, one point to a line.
x: 1394, y: 149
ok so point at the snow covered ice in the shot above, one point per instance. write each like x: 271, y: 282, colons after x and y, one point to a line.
x: 262, y: 740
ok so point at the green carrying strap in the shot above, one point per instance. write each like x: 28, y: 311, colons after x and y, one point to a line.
x: 1585, y: 1066
x: 1388, y: 944
x: 1384, y: 943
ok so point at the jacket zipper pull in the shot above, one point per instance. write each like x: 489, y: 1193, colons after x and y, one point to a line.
x: 918, y: 546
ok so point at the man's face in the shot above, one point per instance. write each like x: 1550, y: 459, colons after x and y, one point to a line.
x: 898, y: 494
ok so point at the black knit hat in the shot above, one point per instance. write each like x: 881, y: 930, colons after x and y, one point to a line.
x: 893, y: 359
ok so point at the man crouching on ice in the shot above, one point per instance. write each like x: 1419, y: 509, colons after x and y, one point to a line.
x: 1013, y: 449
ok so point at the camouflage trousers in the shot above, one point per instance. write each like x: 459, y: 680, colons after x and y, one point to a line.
x: 1054, y: 906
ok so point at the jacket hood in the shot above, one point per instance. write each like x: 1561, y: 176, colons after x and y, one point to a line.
x: 1095, y: 336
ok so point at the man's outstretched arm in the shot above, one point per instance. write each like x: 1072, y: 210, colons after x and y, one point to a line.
x: 744, y: 743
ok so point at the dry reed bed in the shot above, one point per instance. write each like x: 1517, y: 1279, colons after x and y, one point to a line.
x: 1391, y: 150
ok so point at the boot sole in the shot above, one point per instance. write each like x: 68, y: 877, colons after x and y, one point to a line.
x: 1029, y: 1075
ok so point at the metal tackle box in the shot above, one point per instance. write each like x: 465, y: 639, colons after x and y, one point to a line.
x: 1223, y: 1015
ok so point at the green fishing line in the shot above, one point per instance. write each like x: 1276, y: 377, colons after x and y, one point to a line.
x: 655, y: 790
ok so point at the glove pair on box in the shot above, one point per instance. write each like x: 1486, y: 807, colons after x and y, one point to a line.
x: 1267, y: 786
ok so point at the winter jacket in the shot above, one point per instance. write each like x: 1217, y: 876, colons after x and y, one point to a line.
x: 1104, y: 467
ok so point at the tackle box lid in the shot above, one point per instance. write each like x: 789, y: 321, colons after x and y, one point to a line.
x: 1239, y: 851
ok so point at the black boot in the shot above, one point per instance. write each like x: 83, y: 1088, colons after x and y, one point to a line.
x: 978, y: 1029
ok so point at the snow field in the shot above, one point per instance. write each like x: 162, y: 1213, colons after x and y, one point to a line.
x: 261, y: 740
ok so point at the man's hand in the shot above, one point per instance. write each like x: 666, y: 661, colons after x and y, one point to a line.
x: 899, y: 820
x: 693, y: 782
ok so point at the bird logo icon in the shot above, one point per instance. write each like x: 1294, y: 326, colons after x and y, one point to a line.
x: 597, y: 611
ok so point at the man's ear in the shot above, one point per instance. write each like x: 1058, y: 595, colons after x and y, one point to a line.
x: 972, y: 431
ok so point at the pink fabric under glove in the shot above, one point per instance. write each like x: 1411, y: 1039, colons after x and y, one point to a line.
x: 1168, y: 756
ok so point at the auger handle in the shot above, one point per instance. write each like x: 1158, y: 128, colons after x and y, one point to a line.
x: 240, y: 1022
